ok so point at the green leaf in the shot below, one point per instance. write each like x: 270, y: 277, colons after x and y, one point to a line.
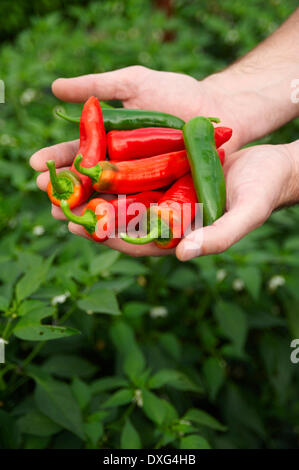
x: 32, y: 280
x: 130, y: 267
x: 55, y: 400
x: 100, y: 301
x: 119, y: 398
x: 175, y: 379
x: 233, y: 323
x: 214, y: 375
x: 129, y: 437
x: 194, y: 441
x: 44, y: 332
x: 204, y: 419
x: 103, y: 262
x: 68, y: 366
x: 134, y: 364
x: 81, y: 392
x: 37, y: 424
x: 107, y: 383
x: 252, y: 279
x: 94, y: 431
x: 153, y: 407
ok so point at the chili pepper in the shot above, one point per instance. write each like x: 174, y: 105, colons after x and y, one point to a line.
x: 166, y: 222
x: 150, y: 141
x: 100, y: 217
x: 205, y: 166
x: 221, y: 155
x: 69, y: 184
x: 125, y: 119
x: 136, y: 175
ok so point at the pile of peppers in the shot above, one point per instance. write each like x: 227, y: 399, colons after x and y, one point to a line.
x: 159, y: 162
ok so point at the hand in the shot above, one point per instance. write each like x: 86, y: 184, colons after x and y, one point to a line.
x: 258, y: 180
x: 139, y: 87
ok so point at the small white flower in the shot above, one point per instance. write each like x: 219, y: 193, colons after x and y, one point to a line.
x: 275, y: 282
x: 138, y: 398
x: 232, y: 36
x: 159, y: 312
x: 185, y: 421
x: 238, y: 285
x: 38, y: 230
x: 27, y: 96
x: 221, y: 275
x: 60, y: 299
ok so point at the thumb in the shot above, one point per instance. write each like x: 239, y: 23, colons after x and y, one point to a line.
x: 226, y: 231
x: 118, y: 84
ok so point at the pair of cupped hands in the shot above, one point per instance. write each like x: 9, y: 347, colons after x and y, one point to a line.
x: 259, y: 179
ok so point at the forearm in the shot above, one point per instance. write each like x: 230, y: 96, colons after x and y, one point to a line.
x: 260, y: 84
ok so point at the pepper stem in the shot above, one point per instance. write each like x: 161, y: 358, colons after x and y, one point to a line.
x: 59, y: 185
x: 88, y: 220
x: 75, y: 120
x: 93, y: 172
x: 214, y: 119
x: 153, y: 235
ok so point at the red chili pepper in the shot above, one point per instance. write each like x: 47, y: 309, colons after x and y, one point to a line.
x: 167, y: 222
x: 70, y: 185
x: 221, y: 154
x: 101, y: 218
x: 137, y: 175
x: 150, y: 141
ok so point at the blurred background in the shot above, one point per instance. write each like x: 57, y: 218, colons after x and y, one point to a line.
x: 191, y: 355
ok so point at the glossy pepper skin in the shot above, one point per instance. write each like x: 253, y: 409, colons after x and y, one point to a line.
x: 101, y: 218
x: 150, y: 141
x: 70, y: 185
x: 166, y: 222
x: 125, y: 119
x: 207, y: 173
x: 138, y: 175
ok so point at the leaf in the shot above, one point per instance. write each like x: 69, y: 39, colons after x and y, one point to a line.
x: 100, y: 301
x: 128, y: 266
x: 204, y: 419
x: 4, y: 303
x: 252, y: 279
x: 233, y: 323
x: 81, y: 392
x: 194, y: 441
x: 44, y: 332
x: 94, y: 431
x: 103, y: 262
x: 32, y: 280
x: 55, y: 400
x: 107, y: 383
x: 37, y: 424
x: 214, y: 375
x: 68, y: 366
x: 153, y: 407
x: 119, y: 398
x: 134, y: 364
x: 129, y: 437
x: 173, y: 378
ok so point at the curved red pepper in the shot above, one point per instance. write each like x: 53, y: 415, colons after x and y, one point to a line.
x: 101, y: 218
x: 169, y: 215
x: 70, y: 185
x: 137, y: 175
x: 150, y: 141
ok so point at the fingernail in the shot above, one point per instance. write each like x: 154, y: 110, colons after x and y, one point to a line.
x: 188, y: 250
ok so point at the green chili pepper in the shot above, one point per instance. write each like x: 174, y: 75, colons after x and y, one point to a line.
x: 206, y: 169
x: 126, y: 119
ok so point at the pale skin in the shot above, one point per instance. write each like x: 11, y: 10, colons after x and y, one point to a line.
x: 253, y: 97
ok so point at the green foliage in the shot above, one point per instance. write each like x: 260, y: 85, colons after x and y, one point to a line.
x: 111, y: 352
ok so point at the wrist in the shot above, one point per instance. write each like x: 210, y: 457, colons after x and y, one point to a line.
x: 293, y: 186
